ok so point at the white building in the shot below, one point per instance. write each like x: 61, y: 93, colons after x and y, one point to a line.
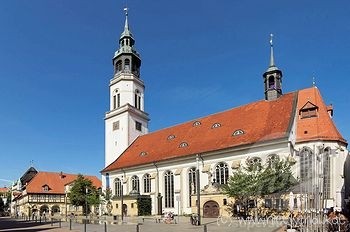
x: 162, y: 164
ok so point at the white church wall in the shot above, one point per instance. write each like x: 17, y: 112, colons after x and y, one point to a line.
x: 181, y: 166
x: 337, y: 154
x: 116, y: 141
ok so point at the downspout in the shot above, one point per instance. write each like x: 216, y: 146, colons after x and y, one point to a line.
x: 124, y: 178
x: 159, y: 211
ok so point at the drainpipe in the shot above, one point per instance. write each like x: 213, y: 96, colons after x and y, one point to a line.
x: 198, y: 192
x: 158, y: 195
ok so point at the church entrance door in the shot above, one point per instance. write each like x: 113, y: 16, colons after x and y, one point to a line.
x: 125, y: 210
x: 211, y: 209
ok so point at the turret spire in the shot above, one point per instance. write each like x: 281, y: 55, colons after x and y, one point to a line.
x: 126, y: 27
x: 272, y: 77
x: 126, y: 32
x: 272, y: 60
x: 272, y: 66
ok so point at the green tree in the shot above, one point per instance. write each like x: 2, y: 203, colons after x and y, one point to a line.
x: 255, y: 180
x: 8, y: 201
x: 107, y: 195
x: 277, y: 176
x: 2, y: 205
x: 78, y: 195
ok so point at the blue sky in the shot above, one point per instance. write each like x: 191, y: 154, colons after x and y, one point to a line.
x: 198, y: 57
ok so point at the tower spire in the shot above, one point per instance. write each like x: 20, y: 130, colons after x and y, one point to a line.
x: 272, y: 66
x: 272, y: 60
x: 126, y: 32
x: 272, y: 77
x: 126, y: 26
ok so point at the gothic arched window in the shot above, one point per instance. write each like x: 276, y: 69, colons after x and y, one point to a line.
x: 169, y: 189
x: 147, y: 183
x: 221, y: 173
x: 306, y: 164
x: 117, y: 187
x: 135, y: 183
x: 192, y: 183
x: 326, y: 172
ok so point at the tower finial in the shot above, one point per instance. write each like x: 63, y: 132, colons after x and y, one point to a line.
x: 272, y: 60
x: 313, y: 81
x: 126, y: 9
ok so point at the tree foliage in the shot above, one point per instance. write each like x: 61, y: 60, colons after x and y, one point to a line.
x: 8, y: 201
x: 2, y: 205
x: 144, y: 206
x: 107, y: 195
x: 78, y: 195
x: 255, y: 180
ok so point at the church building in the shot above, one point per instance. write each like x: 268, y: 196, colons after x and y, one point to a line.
x: 162, y: 165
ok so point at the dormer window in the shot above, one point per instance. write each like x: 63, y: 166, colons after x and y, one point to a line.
x: 309, y: 110
x: 238, y: 132
x: 197, y: 123
x: 143, y: 153
x: 171, y: 137
x: 46, y: 188
x: 216, y: 125
x: 183, y: 144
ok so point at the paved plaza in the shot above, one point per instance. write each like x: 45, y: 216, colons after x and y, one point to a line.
x: 138, y: 225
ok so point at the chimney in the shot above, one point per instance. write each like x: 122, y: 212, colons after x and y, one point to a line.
x: 61, y: 175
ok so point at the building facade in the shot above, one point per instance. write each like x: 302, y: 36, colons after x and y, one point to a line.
x: 163, y: 164
x: 46, y: 193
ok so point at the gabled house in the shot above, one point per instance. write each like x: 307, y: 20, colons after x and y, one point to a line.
x: 47, y: 192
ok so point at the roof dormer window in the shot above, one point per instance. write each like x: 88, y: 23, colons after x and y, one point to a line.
x: 183, y: 144
x: 216, y: 125
x: 143, y: 153
x: 46, y: 188
x: 171, y: 137
x: 309, y: 110
x: 197, y: 123
x: 238, y: 132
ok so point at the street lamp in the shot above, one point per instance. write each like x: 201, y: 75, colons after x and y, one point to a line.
x: 121, y: 198
x: 65, y: 200
x: 86, y: 205
x: 198, y: 192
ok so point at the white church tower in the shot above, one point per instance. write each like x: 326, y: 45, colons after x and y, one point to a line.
x: 126, y: 119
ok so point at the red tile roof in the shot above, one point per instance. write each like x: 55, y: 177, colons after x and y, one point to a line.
x: 260, y: 121
x: 321, y: 127
x: 4, y: 190
x: 56, y: 182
